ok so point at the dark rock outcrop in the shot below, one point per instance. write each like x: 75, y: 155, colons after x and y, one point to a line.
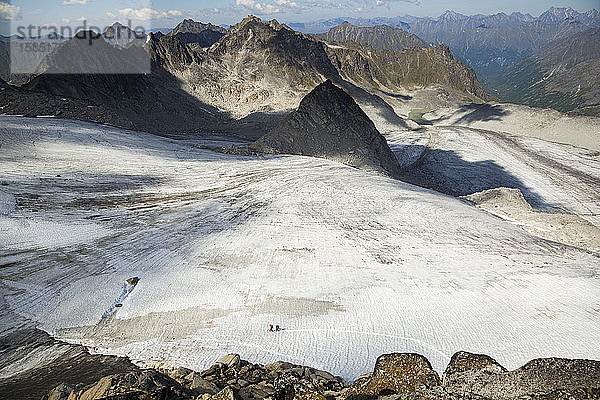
x: 550, y: 378
x: 138, y: 385
x: 396, y: 376
x: 464, y: 361
x: 250, y: 381
x: 329, y: 124
x: 290, y: 387
x: 55, y: 362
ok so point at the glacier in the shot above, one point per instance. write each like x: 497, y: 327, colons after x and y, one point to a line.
x: 350, y: 264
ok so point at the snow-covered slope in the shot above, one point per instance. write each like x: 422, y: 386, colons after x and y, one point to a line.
x: 351, y: 264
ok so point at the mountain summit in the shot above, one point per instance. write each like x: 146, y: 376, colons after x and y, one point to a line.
x: 190, y: 31
x: 123, y: 36
x: 380, y: 37
x: 329, y: 124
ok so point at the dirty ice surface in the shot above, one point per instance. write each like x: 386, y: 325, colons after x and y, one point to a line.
x: 351, y: 264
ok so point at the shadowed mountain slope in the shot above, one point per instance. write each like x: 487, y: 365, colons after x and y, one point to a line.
x: 88, y: 76
x: 562, y: 75
x: 329, y: 124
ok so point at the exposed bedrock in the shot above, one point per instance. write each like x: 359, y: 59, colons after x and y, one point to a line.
x: 329, y: 124
x: 396, y: 376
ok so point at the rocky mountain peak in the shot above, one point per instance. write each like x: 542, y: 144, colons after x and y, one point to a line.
x: 190, y: 31
x: 255, y: 25
x: 558, y: 14
x: 278, y: 26
x: 380, y: 37
x: 251, y: 29
x: 299, y: 58
x: 191, y: 26
x: 452, y: 16
x: 117, y: 25
x: 122, y: 36
x: 54, y: 36
x: 89, y: 52
x: 329, y: 124
x: 249, y: 20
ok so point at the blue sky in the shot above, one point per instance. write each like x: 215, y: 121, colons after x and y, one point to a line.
x: 167, y: 13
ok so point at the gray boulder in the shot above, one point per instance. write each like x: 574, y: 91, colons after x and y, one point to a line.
x: 396, y: 374
x: 230, y: 361
x: 202, y: 386
x: 546, y: 378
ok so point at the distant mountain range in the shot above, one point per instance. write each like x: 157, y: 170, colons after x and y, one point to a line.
x: 488, y: 43
x: 511, y: 54
x: 563, y: 75
x: 322, y: 26
x: 247, y: 80
x: 203, y: 77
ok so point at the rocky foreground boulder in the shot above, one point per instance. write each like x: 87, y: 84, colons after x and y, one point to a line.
x: 547, y: 378
x: 396, y: 374
x: 395, y: 377
x: 329, y: 124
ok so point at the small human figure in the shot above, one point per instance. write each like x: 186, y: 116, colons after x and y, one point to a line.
x: 270, y: 327
x: 277, y: 328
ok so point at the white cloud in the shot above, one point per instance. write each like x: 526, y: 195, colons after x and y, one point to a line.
x: 258, y: 7
x: 72, y: 2
x: 111, y: 15
x: 288, y: 3
x: 9, y: 12
x: 416, y: 2
x: 65, y: 20
x: 81, y: 19
x: 145, y: 14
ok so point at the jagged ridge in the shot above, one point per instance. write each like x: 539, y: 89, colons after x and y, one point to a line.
x: 380, y: 37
